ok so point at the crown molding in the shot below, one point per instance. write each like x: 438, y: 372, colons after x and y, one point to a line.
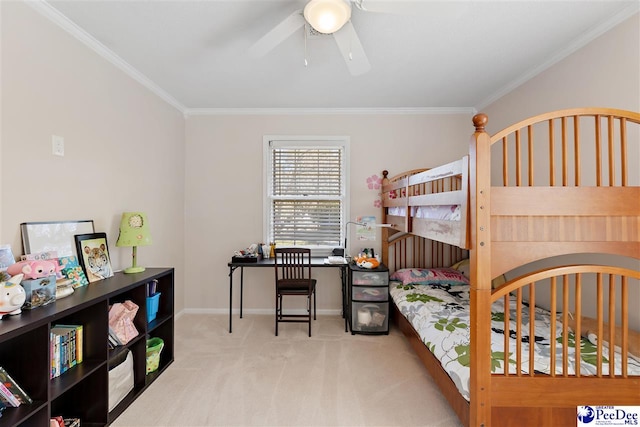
x: 574, y: 46
x: 325, y: 111
x: 54, y: 15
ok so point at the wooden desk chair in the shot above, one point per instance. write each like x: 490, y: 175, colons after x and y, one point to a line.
x: 293, y: 277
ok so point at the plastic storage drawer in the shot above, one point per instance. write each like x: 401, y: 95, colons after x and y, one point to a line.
x: 369, y: 317
x: 370, y: 278
x: 371, y: 293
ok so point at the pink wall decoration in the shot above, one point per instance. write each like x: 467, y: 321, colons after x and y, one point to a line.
x: 374, y: 182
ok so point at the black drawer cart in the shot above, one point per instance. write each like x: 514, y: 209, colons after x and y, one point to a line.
x: 368, y: 307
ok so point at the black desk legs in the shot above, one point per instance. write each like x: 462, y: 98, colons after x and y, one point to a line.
x: 241, y: 288
x: 343, y: 278
x: 231, y: 270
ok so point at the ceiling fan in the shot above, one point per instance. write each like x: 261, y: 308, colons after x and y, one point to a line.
x: 331, y: 17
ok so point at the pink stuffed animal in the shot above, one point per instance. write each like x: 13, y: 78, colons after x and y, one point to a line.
x: 33, y: 269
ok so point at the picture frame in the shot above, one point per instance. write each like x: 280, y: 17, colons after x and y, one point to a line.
x: 93, y: 254
x: 6, y: 257
x: 55, y: 236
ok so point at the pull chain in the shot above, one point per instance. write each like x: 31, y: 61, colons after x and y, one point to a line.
x: 350, y: 44
x: 305, y: 46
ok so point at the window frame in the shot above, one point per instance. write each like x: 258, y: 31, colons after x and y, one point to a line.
x: 304, y: 141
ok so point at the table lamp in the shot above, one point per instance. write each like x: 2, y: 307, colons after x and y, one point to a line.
x: 134, y: 232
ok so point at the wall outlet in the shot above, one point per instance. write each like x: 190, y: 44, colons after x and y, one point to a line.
x: 57, y: 145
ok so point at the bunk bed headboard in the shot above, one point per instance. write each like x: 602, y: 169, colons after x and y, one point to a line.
x: 404, y: 250
x: 428, y: 210
x: 587, y: 215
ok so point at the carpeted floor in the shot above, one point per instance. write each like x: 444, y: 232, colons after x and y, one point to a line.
x: 253, y: 378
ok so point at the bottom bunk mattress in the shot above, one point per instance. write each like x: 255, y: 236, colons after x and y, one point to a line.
x: 439, y: 313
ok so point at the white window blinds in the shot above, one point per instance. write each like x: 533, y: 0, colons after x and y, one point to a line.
x: 306, y: 193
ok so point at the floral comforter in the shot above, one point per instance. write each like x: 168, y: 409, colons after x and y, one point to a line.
x: 440, y: 314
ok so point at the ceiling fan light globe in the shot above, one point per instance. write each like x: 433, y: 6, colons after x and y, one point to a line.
x: 327, y: 16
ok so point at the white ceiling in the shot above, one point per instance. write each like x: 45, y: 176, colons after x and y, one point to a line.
x: 439, y: 55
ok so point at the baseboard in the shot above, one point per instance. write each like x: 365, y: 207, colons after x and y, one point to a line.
x: 259, y: 311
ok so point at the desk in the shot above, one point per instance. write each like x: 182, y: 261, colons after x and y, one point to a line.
x: 316, y: 262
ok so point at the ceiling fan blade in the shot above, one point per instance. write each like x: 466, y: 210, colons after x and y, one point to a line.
x: 352, y: 50
x: 386, y: 6
x: 443, y: 9
x: 278, y: 34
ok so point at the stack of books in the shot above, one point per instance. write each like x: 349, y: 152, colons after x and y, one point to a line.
x: 11, y: 394
x: 66, y: 348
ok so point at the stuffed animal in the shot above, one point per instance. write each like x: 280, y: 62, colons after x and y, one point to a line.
x: 33, y: 269
x: 12, y: 296
x: 365, y: 262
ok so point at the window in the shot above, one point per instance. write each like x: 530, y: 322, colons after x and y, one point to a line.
x: 306, y: 191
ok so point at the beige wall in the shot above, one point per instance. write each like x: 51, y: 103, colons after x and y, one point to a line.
x: 604, y: 73
x: 224, y: 188
x: 124, y: 145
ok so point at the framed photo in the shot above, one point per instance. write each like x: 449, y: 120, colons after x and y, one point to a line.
x: 6, y: 257
x: 53, y: 236
x: 93, y: 254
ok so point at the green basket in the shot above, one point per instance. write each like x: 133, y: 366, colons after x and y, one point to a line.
x: 154, y: 348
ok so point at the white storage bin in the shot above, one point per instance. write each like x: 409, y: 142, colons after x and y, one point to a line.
x: 120, y: 381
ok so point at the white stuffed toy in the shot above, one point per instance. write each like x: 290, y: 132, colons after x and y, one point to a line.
x: 12, y: 296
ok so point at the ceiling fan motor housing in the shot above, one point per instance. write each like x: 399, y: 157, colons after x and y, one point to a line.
x: 327, y: 16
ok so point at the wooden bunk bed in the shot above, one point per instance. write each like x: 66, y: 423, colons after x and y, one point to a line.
x: 546, y: 206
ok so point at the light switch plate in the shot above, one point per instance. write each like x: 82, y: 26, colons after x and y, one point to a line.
x: 57, y: 145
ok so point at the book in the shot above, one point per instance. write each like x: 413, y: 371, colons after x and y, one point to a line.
x: 72, y: 422
x: 7, y: 397
x: 55, y: 355
x: 14, y: 387
x: 62, y: 336
x: 113, y: 338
